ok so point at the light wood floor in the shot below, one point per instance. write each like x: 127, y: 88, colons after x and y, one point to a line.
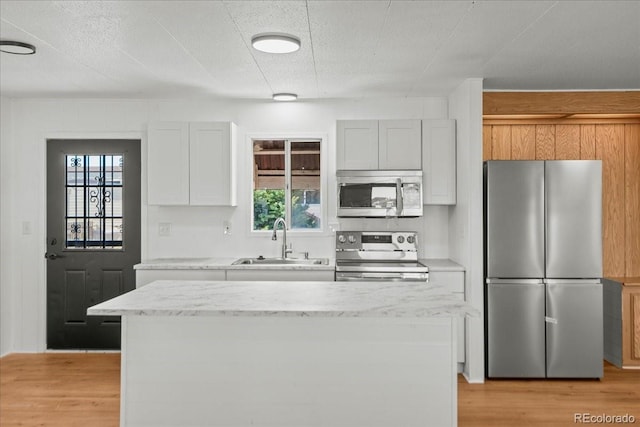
x: 83, y: 390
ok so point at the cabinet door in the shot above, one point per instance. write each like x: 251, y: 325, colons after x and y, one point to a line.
x: 144, y: 277
x: 357, y: 144
x: 439, y: 162
x: 454, y: 281
x: 212, y: 160
x: 631, y: 325
x: 399, y: 144
x: 280, y: 275
x: 168, y: 163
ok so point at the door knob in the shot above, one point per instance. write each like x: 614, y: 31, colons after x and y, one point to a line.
x: 53, y: 256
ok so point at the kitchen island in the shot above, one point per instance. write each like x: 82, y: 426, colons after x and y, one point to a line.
x: 200, y: 353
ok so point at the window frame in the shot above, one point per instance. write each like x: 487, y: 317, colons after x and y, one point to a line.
x: 288, y: 138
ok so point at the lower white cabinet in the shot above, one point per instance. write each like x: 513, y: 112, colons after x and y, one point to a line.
x: 454, y: 281
x: 281, y: 275
x: 144, y: 277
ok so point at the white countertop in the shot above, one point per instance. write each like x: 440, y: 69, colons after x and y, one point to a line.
x: 223, y: 264
x: 434, y: 264
x: 319, y: 299
x: 441, y: 264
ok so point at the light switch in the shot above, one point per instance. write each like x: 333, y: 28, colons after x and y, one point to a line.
x: 164, y: 229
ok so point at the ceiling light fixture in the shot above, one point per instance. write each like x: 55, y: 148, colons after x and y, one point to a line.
x: 17, y: 48
x: 275, y: 43
x: 285, y: 96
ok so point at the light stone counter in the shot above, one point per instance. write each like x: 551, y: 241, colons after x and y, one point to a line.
x: 441, y: 264
x: 320, y: 299
x: 207, y: 263
x: 223, y: 264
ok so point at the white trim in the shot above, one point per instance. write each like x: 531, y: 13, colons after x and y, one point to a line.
x: 324, y: 230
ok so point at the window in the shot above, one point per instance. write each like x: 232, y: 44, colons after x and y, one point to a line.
x: 94, y: 201
x: 286, y: 183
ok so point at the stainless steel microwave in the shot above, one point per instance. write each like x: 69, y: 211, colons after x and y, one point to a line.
x: 379, y: 194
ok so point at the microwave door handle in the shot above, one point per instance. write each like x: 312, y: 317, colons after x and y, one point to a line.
x: 399, y: 203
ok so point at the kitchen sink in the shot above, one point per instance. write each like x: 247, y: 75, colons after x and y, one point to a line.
x: 281, y: 261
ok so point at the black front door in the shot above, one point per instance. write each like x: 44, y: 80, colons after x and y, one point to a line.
x: 93, y: 237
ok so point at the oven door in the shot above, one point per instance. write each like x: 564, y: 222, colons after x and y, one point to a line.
x: 363, y: 276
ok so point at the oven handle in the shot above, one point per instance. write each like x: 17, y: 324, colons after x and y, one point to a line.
x: 375, y: 277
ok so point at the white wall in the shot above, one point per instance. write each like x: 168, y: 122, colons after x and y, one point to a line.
x: 6, y: 295
x: 195, y: 231
x: 465, y: 224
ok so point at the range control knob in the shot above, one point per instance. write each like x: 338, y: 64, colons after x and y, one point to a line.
x: 352, y: 238
x: 400, y: 239
x: 411, y: 239
x: 341, y: 238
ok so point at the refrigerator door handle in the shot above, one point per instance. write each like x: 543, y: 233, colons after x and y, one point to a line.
x: 569, y: 281
x: 551, y: 320
x: 514, y: 281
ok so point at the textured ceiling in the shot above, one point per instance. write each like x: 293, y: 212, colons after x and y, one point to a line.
x: 350, y: 49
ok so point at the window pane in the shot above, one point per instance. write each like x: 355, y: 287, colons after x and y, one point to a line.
x: 268, y: 183
x: 273, y: 171
x: 94, y: 201
x: 75, y: 233
x: 305, y: 185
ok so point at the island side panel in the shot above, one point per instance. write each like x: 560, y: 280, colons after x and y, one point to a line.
x: 288, y: 371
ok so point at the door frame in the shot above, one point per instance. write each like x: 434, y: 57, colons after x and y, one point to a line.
x: 41, y: 306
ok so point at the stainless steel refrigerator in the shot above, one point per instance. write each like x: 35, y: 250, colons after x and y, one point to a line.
x: 543, y: 268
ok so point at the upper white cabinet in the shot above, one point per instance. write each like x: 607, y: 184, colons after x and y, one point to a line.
x: 357, y: 144
x: 399, y: 144
x: 168, y: 163
x: 191, y: 163
x: 439, y: 162
x: 212, y: 156
x: 378, y: 144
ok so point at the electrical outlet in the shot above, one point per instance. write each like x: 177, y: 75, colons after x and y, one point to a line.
x: 164, y: 229
x: 26, y: 227
x: 226, y: 227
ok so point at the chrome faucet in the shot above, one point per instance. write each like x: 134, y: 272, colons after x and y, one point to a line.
x: 274, y: 236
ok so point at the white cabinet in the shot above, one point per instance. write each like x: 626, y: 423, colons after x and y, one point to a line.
x: 378, y: 144
x: 399, y: 144
x: 191, y: 164
x: 168, y: 163
x: 280, y: 275
x: 211, y: 159
x: 144, y: 277
x: 357, y: 144
x: 439, y: 162
x: 454, y: 281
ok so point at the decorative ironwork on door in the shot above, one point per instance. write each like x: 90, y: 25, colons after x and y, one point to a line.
x: 94, y: 203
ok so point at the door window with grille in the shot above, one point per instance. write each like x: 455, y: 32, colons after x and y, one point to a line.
x: 94, y: 203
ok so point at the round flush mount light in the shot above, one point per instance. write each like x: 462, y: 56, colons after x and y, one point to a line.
x: 17, y: 48
x: 285, y: 96
x: 275, y: 43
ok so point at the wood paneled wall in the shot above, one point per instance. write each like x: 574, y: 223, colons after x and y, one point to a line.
x: 616, y: 144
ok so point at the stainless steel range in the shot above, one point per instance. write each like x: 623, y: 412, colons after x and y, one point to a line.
x: 378, y: 255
